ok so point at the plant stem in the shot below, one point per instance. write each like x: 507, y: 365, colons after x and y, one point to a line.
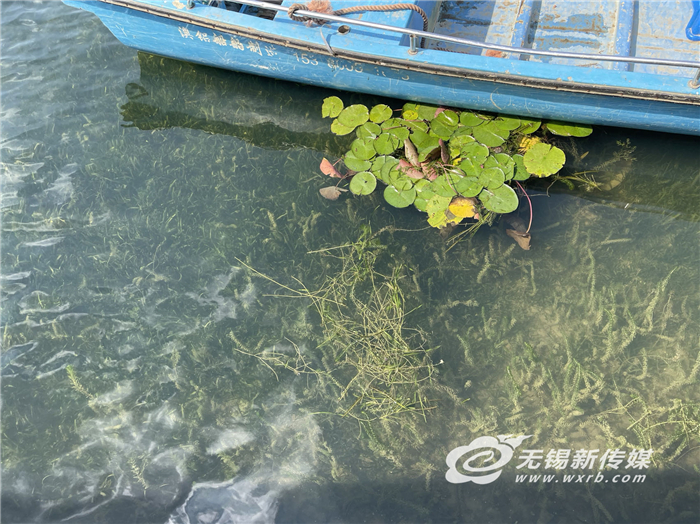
x: 529, y: 202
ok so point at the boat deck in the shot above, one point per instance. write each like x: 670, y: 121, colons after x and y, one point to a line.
x: 654, y: 29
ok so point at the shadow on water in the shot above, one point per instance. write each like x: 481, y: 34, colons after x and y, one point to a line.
x: 262, y: 111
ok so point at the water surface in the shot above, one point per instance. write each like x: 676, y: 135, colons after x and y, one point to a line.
x: 137, y: 193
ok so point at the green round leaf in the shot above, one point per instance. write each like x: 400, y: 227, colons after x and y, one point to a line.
x: 491, y: 134
x: 421, y: 203
x: 385, y: 144
x: 368, y: 130
x: 363, y: 148
x: 458, y: 142
x: 340, y: 129
x: 502, y: 160
x: 528, y: 126
x: 400, y: 181
x: 425, y: 112
x: 467, y: 118
x: 380, y: 113
x: 520, y: 171
x: 470, y: 167
x: 332, y: 106
x: 363, y: 183
x: 395, y: 127
x: 354, y: 163
x: 377, y: 164
x: 565, y: 129
x: 425, y: 143
x: 476, y: 151
x: 354, y: 116
x: 448, y: 117
x: 500, y: 200
x: 543, y: 160
x: 390, y: 164
x: 399, y: 198
x: 507, y: 122
x: 469, y: 186
x: 437, y: 204
x: 443, y: 187
x: 492, y: 177
x: 410, y: 114
x: 444, y: 124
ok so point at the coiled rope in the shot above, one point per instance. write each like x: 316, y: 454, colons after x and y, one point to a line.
x: 356, y: 9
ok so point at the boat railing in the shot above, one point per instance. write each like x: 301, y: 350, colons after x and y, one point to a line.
x: 415, y: 35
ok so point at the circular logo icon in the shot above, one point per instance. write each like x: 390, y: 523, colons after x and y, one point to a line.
x: 481, y: 450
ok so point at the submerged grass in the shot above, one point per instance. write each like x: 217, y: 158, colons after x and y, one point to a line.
x: 376, y: 366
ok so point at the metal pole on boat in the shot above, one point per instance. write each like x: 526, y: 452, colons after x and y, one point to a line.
x: 413, y: 50
x: 695, y: 82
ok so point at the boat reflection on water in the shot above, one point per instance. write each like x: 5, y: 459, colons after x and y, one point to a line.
x: 267, y: 113
x: 640, y: 170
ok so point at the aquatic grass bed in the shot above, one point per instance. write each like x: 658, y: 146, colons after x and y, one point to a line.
x: 132, y: 278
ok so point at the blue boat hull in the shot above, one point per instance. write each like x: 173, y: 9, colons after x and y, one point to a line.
x: 220, y: 44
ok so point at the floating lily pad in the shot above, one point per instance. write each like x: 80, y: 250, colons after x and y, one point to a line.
x: 469, y: 186
x: 470, y: 167
x: 340, y: 129
x: 492, y: 177
x: 417, y: 125
x: 476, y: 151
x: 491, y: 134
x: 425, y: 143
x: 399, y: 180
x: 411, y: 114
x: 425, y: 112
x: 363, y: 148
x: 507, y: 122
x: 463, y: 207
x: 445, y: 187
x: 505, y: 162
x: 363, y: 183
x: 368, y: 130
x: 520, y: 170
x: 354, y: 116
x: 377, y: 164
x: 390, y: 164
x: 354, y: 163
x: 528, y: 126
x: 500, y: 200
x: 399, y: 198
x: 423, y: 186
x: 566, y: 129
x: 380, y: 113
x: 385, y: 144
x: 438, y: 203
x: 444, y: 124
x: 467, y: 118
x: 543, y: 160
x: 420, y: 203
x: 395, y: 127
x: 332, y: 106
x: 457, y: 143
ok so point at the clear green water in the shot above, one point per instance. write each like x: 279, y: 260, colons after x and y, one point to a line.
x: 134, y: 189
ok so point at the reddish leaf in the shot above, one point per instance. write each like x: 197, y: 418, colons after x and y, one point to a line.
x: 329, y: 169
